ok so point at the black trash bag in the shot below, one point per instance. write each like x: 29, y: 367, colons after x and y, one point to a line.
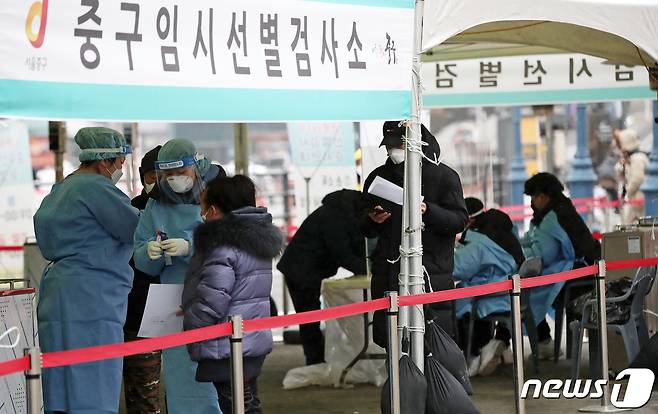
x: 445, y: 395
x: 447, y: 352
x: 616, y: 313
x: 413, y: 386
x: 648, y: 356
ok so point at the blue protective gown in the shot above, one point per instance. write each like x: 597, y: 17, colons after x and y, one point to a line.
x: 482, y: 261
x: 550, y: 242
x: 184, y: 394
x: 85, y: 226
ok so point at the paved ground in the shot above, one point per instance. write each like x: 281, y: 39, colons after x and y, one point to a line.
x: 493, y: 394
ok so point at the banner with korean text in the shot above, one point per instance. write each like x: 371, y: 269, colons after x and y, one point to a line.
x: 531, y: 80
x: 207, y: 60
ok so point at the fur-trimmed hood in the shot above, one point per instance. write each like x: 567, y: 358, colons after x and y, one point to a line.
x: 249, y: 229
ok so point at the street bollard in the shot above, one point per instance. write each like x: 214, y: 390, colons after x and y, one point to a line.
x: 393, y: 353
x: 237, y: 374
x: 33, y: 381
x: 602, y: 321
x: 517, y: 343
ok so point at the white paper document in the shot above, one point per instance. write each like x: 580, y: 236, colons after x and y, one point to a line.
x: 160, y: 317
x: 386, y: 190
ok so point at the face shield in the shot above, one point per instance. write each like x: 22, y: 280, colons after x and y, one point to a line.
x: 180, y: 181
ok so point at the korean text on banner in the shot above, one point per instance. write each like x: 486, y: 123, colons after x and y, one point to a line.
x: 537, y: 79
x: 206, y: 60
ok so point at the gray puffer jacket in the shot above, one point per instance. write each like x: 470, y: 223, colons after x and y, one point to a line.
x: 231, y: 274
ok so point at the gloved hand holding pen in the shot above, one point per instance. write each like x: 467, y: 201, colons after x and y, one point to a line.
x: 176, y: 247
x: 154, y: 249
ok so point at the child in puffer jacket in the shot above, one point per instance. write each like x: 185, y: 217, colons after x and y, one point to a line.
x: 231, y: 274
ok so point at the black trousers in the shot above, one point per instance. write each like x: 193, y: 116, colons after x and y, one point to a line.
x: 442, y: 313
x: 252, y: 403
x: 307, y: 298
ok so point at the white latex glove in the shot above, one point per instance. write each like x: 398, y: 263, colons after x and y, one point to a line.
x: 176, y: 247
x: 154, y: 250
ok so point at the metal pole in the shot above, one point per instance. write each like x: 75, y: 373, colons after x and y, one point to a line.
x: 307, y: 180
x: 517, y: 173
x: 517, y: 343
x: 650, y: 185
x: 241, y: 149
x: 604, y: 407
x: 237, y: 374
x: 288, y: 216
x: 582, y: 178
x: 411, y: 207
x: 393, y: 353
x: 550, y: 143
x: 57, y: 135
x: 33, y: 381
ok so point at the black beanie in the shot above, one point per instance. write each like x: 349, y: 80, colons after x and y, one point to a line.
x: 148, y: 162
x: 474, y: 206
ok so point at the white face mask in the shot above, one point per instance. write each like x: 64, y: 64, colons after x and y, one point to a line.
x: 149, y: 187
x: 180, y: 183
x: 396, y: 155
x: 116, y: 175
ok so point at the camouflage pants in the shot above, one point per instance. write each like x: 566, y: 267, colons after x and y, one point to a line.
x: 141, y: 380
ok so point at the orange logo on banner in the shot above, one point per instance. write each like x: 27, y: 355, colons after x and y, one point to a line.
x: 38, y: 9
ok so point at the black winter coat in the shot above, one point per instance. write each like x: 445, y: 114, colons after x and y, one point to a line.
x: 446, y: 216
x: 328, y: 239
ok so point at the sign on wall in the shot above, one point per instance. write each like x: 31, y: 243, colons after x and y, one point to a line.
x: 323, y: 155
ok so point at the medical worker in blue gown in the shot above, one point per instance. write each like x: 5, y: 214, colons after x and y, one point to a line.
x: 553, y: 219
x: 85, y: 226
x: 163, y: 247
x: 488, y: 252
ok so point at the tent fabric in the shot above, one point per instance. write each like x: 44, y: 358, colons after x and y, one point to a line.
x: 609, y: 29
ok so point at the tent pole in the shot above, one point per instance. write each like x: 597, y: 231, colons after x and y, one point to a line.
x: 411, y: 207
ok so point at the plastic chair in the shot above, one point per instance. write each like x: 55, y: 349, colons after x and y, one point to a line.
x: 529, y: 268
x: 634, y: 332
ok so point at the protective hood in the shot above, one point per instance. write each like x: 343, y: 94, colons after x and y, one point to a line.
x: 249, y: 229
x: 628, y: 140
x: 432, y: 150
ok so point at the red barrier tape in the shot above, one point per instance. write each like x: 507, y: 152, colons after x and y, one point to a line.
x: 11, y: 248
x: 454, y: 294
x: 631, y: 264
x: 15, y: 365
x: 97, y: 353
x: 316, y: 316
x: 601, y: 202
x: 558, y: 277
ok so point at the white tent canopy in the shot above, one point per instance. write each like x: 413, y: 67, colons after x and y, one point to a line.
x: 621, y: 31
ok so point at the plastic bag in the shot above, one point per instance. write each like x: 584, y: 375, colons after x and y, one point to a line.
x: 616, y: 313
x: 445, y: 395
x: 413, y: 386
x: 648, y: 356
x: 413, y: 389
x: 300, y: 377
x: 446, y: 351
